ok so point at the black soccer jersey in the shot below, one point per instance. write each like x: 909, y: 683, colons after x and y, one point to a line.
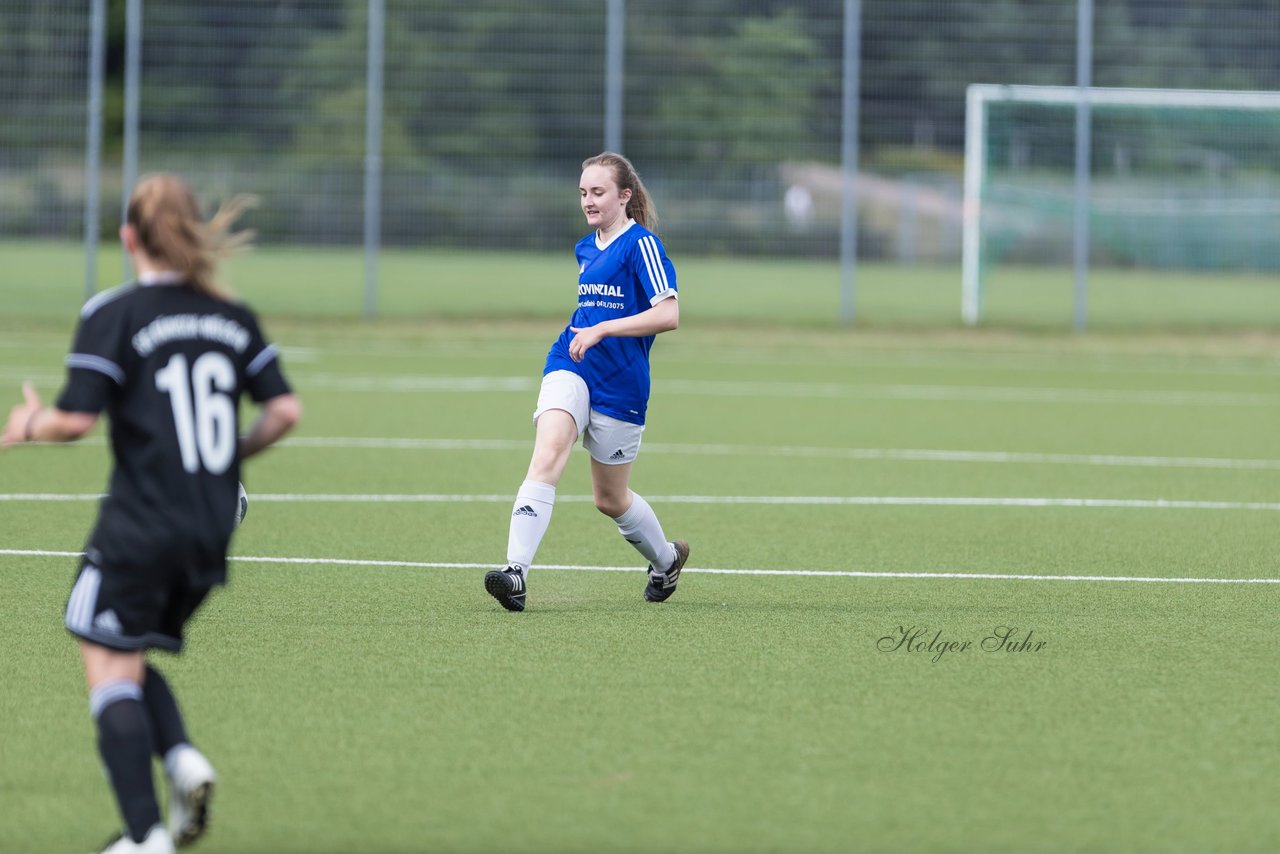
x: 168, y: 364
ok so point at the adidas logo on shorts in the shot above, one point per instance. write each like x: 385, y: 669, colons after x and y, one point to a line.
x: 108, y: 622
x: 617, y: 455
x: 525, y: 511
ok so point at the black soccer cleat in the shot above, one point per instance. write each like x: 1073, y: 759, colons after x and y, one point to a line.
x: 507, y: 586
x: 662, y: 584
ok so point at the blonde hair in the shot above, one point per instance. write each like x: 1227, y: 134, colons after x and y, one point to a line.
x: 640, y: 207
x: 164, y: 213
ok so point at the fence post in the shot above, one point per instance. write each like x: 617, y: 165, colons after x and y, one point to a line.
x: 373, y: 156
x: 132, y: 78
x: 849, y: 161
x: 614, y: 61
x: 1084, y: 79
x: 93, y: 142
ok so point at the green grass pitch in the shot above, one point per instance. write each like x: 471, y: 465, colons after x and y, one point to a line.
x: 319, y: 282
x: 358, y: 690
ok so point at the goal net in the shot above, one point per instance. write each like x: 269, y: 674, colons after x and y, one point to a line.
x: 1185, y: 180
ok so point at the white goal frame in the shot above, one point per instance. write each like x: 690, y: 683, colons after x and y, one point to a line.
x: 978, y: 96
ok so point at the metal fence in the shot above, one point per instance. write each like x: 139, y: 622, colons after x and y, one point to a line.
x: 43, y: 83
x: 433, y: 123
x: 488, y: 110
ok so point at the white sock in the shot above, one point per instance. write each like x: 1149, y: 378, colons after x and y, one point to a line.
x: 530, y: 516
x: 640, y: 527
x: 173, y: 755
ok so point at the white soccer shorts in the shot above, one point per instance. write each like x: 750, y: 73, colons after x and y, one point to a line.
x: 609, y: 440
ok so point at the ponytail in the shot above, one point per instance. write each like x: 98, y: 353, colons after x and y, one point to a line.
x: 166, y: 216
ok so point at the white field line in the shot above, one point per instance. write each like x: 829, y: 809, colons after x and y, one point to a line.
x: 791, y: 451
x: 804, y: 500
x: 984, y: 394
x: 1003, y: 362
x: 417, y: 383
x: 931, y: 358
x: 919, y: 355
x: 720, y: 450
x: 839, y: 573
x: 45, y: 379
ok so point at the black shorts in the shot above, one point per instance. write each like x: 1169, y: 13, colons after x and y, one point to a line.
x: 135, y: 608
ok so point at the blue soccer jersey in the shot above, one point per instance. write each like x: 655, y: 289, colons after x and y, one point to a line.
x: 626, y: 277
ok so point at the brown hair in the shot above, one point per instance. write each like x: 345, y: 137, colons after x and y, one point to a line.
x: 166, y: 216
x: 640, y: 207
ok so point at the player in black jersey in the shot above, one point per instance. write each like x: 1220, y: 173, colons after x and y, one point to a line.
x: 167, y: 358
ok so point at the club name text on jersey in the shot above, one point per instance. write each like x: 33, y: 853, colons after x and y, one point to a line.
x: 187, y: 327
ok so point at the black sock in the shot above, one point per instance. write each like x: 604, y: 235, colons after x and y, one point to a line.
x: 167, y: 729
x: 124, y: 740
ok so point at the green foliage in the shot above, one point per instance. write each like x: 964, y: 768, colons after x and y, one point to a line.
x: 487, y: 96
x: 906, y: 160
x: 726, y: 67
x: 736, y: 99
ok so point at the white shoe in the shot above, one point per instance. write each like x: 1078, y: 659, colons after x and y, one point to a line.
x: 158, y: 841
x: 191, y: 780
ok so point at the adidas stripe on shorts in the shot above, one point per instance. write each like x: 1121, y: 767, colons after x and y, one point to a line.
x: 132, y: 609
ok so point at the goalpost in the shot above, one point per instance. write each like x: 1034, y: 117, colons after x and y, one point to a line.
x: 1180, y: 179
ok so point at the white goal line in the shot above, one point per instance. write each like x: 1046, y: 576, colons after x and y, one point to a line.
x: 834, y: 573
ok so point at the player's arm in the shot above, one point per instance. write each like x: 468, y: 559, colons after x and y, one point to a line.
x: 664, y: 316
x: 277, y: 416
x: 30, y: 421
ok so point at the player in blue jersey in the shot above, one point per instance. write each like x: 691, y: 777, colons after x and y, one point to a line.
x: 595, y: 385
x: 167, y: 359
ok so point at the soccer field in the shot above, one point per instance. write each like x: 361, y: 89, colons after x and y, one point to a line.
x: 1097, y: 518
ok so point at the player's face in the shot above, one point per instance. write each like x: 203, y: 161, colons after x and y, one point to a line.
x: 604, y: 205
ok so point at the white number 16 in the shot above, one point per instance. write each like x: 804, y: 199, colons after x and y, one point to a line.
x: 206, y: 431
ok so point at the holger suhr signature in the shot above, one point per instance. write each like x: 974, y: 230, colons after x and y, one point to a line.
x: 920, y: 639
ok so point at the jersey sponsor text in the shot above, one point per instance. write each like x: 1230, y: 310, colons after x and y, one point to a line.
x: 600, y: 291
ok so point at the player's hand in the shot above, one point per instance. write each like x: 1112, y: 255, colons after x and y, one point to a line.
x: 583, y: 340
x: 15, y: 430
